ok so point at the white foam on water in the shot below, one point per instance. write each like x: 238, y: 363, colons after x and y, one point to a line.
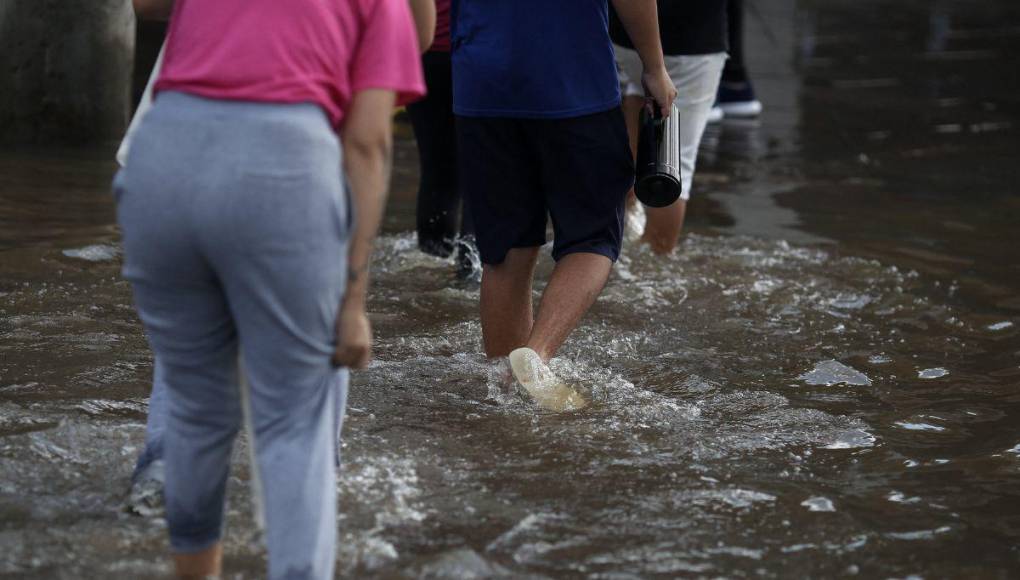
x: 911, y: 426
x: 850, y: 301
x: 819, y: 504
x: 933, y: 373
x: 798, y: 548
x: 738, y: 551
x: 93, y: 253
x: 371, y: 552
x: 527, y: 524
x: 389, y: 483
x: 852, y: 439
x: 900, y: 497
x: 100, y: 407
x: 831, y: 372
x: 742, y: 498
x: 714, y: 499
x: 1000, y: 325
x: 462, y: 563
x: 533, y: 551
x: 919, y: 534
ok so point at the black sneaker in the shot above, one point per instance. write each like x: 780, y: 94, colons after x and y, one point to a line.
x: 737, y: 100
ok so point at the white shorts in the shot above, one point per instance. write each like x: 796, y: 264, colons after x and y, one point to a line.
x: 697, y: 79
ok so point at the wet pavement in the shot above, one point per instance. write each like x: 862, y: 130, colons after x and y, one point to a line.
x: 821, y: 382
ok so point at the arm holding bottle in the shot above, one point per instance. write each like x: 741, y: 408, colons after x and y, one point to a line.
x: 641, y: 20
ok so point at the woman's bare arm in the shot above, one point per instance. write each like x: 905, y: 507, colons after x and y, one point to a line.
x: 153, y: 9
x: 367, y: 139
x: 424, y: 12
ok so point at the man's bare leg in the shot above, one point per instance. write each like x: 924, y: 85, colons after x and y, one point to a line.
x: 506, y: 308
x: 199, y: 565
x: 573, y: 287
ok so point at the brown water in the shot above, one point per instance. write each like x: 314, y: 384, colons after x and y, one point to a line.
x: 823, y: 381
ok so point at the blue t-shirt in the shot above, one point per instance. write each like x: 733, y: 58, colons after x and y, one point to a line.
x: 539, y: 59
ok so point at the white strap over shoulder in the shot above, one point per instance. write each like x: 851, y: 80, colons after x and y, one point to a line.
x: 143, y: 107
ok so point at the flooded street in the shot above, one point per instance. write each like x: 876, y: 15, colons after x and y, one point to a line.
x: 823, y: 380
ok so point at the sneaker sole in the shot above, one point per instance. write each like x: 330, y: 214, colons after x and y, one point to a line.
x: 741, y: 109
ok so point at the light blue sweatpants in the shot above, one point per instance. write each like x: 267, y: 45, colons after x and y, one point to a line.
x: 235, y: 221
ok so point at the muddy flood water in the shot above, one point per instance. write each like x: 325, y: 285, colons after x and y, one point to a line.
x: 823, y: 381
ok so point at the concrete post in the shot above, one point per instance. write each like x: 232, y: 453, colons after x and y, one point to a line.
x: 65, y: 70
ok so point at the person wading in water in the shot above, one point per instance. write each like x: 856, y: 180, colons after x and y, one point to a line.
x: 248, y: 204
x: 540, y: 132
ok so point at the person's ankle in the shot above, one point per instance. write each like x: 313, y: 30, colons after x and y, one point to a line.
x: 541, y: 350
x: 200, y: 565
x: 734, y: 74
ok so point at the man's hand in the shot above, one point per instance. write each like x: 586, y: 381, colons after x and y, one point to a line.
x: 353, y: 337
x: 659, y: 87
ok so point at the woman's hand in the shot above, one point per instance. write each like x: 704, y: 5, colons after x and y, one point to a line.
x: 367, y: 137
x: 353, y: 336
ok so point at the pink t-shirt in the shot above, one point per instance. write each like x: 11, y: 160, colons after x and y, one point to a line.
x: 292, y: 51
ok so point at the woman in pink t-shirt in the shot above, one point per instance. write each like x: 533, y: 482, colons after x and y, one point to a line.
x: 238, y: 240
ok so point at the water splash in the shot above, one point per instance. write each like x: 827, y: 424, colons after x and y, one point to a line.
x: 94, y: 253
x: 830, y: 372
x: 819, y: 504
x: 933, y: 373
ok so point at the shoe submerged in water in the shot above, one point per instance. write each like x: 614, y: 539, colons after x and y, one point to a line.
x: 548, y: 390
x: 146, y: 495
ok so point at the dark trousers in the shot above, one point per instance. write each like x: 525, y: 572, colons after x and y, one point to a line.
x: 439, y: 200
x: 734, y: 69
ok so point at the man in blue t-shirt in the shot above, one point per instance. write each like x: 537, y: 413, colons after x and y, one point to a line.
x: 540, y: 132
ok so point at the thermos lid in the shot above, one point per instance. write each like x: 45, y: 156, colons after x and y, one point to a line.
x: 657, y: 190
x: 658, y: 159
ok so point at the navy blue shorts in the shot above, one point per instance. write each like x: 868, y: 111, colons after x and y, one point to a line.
x: 515, y: 172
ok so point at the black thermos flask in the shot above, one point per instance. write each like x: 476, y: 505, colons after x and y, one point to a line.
x: 658, y: 158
